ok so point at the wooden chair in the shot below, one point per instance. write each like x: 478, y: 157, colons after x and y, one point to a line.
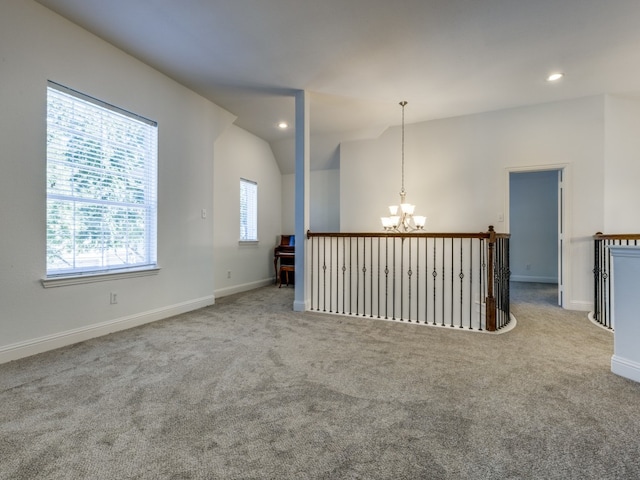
x: 285, y: 269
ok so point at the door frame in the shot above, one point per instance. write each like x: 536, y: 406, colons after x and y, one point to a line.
x: 564, y: 216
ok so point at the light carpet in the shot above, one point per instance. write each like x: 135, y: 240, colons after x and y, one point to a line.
x: 249, y: 389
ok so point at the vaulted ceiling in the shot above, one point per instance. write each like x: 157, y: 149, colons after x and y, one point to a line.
x: 359, y: 58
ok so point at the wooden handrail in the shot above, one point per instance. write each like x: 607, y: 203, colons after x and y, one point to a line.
x: 616, y: 236
x: 484, y: 235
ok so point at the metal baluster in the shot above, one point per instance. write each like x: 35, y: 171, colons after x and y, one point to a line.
x: 498, y: 283
x: 605, y: 281
x: 461, y: 275
x: 402, y: 279
x: 357, y: 276
x: 409, y: 274
x: 443, y: 280
x: 344, y: 269
x: 371, y: 277
x: 324, y: 274
x: 470, y: 282
x: 596, y: 279
x: 418, y: 280
x: 364, y: 276
x: 386, y: 278
x: 601, y: 282
x: 452, y: 267
x: 330, y: 274
x: 604, y: 254
x: 378, y: 281
x: 318, y: 250
x: 393, y: 279
x: 607, y: 284
x: 508, y: 278
x: 426, y: 281
x: 483, y: 267
x: 313, y: 242
x: 434, y: 274
x: 338, y: 295
x: 600, y: 286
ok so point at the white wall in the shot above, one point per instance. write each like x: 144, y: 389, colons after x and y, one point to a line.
x: 456, y: 174
x: 622, y: 172
x: 533, y: 224
x: 37, y: 45
x: 288, y: 204
x: 324, y: 201
x: 239, y: 154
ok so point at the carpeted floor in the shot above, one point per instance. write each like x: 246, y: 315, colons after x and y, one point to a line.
x: 248, y: 389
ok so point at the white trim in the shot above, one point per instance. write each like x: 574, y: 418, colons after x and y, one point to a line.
x: 625, y: 368
x: 96, y: 277
x: 533, y: 279
x: 301, y: 306
x: 625, y: 251
x: 565, y: 254
x: 223, y: 292
x: 579, y: 305
x: 512, y: 323
x: 598, y: 324
x: 62, y: 339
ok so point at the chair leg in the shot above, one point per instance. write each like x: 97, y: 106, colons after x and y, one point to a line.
x: 286, y: 276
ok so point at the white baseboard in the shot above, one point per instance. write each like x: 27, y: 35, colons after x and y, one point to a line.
x: 301, y: 306
x: 579, y: 305
x: 533, y: 279
x: 625, y: 368
x: 62, y: 339
x: 223, y: 292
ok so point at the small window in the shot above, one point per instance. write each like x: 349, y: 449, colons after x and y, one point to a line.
x: 248, y: 211
x: 101, y: 186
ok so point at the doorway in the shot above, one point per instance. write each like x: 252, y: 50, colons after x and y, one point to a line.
x: 536, y: 225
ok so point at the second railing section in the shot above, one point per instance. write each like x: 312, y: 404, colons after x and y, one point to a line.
x: 444, y: 279
x: 602, y: 269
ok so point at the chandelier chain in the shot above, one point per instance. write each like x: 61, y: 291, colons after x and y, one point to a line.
x: 403, y: 103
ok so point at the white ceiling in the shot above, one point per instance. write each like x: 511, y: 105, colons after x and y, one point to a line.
x: 359, y: 58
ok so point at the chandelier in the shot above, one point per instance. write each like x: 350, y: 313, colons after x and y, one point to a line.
x: 403, y: 220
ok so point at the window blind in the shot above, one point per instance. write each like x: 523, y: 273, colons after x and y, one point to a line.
x: 101, y: 186
x: 248, y: 210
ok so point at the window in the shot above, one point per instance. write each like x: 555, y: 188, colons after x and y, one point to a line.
x: 101, y: 186
x: 248, y: 211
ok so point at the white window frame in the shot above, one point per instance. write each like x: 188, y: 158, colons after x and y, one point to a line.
x: 123, y: 176
x: 248, y: 211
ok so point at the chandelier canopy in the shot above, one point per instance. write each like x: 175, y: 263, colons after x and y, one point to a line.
x: 403, y: 220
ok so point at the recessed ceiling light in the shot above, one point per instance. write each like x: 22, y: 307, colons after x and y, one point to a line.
x: 283, y: 125
x: 554, y: 77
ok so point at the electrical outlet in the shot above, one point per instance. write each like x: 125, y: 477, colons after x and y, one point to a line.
x: 113, y: 298
x: 528, y: 266
x: 229, y: 274
x: 203, y: 213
